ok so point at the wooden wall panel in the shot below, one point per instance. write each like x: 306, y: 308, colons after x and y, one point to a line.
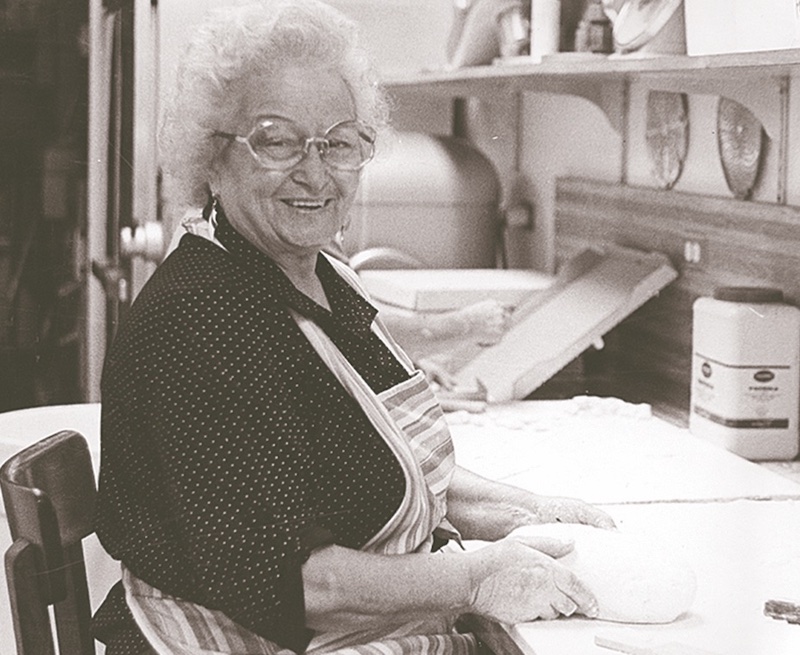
x: 648, y: 357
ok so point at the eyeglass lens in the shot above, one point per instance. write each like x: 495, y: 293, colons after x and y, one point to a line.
x: 279, y: 143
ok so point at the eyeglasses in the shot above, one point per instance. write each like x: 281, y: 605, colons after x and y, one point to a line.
x: 278, y: 144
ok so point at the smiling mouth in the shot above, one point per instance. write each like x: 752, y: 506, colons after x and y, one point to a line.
x: 307, y: 205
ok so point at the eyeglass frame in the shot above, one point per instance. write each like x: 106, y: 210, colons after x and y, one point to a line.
x: 321, y: 142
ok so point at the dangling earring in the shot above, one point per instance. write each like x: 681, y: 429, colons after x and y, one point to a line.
x: 210, y: 209
x: 346, y: 223
x: 209, y: 206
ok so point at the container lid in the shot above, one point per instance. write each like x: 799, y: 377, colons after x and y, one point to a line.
x: 749, y: 294
x: 639, y: 21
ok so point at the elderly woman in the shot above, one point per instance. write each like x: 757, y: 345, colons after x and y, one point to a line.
x: 276, y: 477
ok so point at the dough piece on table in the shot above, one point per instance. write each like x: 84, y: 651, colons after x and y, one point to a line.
x: 635, y: 579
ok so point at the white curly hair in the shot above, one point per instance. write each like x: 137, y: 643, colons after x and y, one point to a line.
x: 239, y: 40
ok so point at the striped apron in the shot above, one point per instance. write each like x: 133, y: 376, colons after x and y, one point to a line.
x: 411, y: 422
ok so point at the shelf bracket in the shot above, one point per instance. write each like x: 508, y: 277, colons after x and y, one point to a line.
x: 607, y: 95
x: 783, y: 141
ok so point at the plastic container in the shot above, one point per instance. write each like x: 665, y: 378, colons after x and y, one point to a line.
x: 435, y: 198
x: 594, y: 31
x: 545, y: 28
x: 745, y: 363
x: 514, y: 31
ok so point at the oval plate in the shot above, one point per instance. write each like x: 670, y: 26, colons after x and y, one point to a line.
x: 740, y: 138
x: 667, y: 135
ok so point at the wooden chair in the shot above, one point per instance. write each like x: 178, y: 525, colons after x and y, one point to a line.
x: 49, y: 492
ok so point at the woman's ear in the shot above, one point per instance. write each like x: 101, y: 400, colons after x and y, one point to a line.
x: 216, y: 166
x: 213, y: 175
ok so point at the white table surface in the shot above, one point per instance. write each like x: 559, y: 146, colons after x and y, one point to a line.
x: 23, y: 427
x: 737, y: 523
x: 605, y: 451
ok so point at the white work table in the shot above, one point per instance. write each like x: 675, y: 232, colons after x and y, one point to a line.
x: 604, y: 450
x: 737, y: 523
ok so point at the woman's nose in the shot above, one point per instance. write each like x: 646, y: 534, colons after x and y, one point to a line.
x: 311, y: 170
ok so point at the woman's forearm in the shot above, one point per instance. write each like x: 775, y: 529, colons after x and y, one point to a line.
x: 484, y: 509
x: 510, y: 581
x: 350, y: 589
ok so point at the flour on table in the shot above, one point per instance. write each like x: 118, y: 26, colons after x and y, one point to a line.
x: 635, y: 579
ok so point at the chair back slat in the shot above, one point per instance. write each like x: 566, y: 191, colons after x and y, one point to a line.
x: 31, y: 618
x: 31, y: 518
x: 73, y: 614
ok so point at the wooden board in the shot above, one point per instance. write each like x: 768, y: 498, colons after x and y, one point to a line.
x: 648, y: 357
x: 597, y: 289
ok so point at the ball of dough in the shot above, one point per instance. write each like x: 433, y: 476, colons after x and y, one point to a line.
x: 635, y: 579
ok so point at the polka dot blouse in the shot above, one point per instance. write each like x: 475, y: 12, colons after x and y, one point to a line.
x: 229, y: 450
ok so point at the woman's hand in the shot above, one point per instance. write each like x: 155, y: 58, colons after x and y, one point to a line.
x: 484, y: 322
x: 517, y: 579
x: 488, y: 510
x: 555, y: 509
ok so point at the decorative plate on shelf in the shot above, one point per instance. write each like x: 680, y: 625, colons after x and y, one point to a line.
x: 740, y: 137
x: 667, y: 135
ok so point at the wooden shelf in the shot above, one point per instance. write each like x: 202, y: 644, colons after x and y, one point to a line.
x: 573, y: 68
x: 600, y: 78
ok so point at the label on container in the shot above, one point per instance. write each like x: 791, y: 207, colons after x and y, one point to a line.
x: 742, y: 396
